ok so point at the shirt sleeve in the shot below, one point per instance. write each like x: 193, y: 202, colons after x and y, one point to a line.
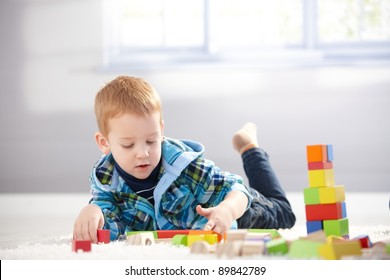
x: 210, y: 184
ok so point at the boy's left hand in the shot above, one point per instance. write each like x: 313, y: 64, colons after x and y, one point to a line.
x: 220, y: 217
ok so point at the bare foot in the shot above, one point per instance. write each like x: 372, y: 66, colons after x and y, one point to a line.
x: 245, y: 138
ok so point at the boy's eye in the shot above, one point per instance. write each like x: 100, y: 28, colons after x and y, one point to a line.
x: 150, y: 142
x: 127, y: 146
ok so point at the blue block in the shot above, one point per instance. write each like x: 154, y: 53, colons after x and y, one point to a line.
x: 329, y: 149
x: 343, y: 209
x: 313, y: 226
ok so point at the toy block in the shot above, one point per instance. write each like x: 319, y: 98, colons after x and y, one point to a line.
x: 171, y: 233
x: 321, y: 178
x: 180, y: 239
x: 258, y: 236
x: 338, y: 227
x: 103, y: 235
x: 316, y: 153
x: 83, y: 245
x: 331, y: 195
x: 143, y: 239
x: 235, y: 234
x: 128, y: 233
x: 249, y: 248
x: 163, y: 241
x: 343, y: 209
x: 319, y: 165
x: 364, y: 240
x: 277, y: 246
x: 311, y: 195
x: 317, y: 212
x: 230, y: 249
x: 304, y: 249
x: 317, y: 236
x: 210, y: 238
x: 201, y: 247
x: 273, y: 232
x: 329, y: 150
x: 313, y: 226
x: 339, y: 250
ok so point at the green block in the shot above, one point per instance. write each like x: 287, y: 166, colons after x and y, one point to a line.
x: 336, y: 227
x: 277, y: 246
x: 273, y: 232
x: 180, y: 239
x: 311, y: 195
x: 388, y: 249
x: 128, y: 233
x: 304, y: 249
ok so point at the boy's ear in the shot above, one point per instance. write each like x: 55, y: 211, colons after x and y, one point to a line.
x: 102, y: 143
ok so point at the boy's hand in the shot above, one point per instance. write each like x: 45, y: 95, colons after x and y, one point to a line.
x: 220, y: 217
x: 88, y: 222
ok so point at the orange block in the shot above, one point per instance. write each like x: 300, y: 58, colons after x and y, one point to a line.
x: 320, y: 212
x: 316, y: 153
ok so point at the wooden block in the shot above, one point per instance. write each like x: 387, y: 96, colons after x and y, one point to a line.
x: 321, y: 178
x: 81, y: 245
x: 143, y: 231
x: 249, y: 248
x: 180, y: 239
x: 194, y: 238
x: 319, y: 212
x: 313, y: 226
x: 235, y: 234
x: 317, y: 153
x: 277, y: 246
x: 304, y: 249
x: 329, y: 150
x: 330, y: 195
x: 311, y: 195
x: 140, y: 239
x: 273, y: 232
x: 317, y: 236
x: 339, y: 227
x: 171, y: 233
x: 338, y: 250
x: 319, y: 165
x: 103, y: 236
x: 230, y: 249
x: 201, y: 247
x: 364, y: 240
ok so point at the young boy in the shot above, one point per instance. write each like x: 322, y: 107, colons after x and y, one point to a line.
x: 146, y: 181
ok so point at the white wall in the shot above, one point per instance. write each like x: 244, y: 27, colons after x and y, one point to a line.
x: 49, y: 73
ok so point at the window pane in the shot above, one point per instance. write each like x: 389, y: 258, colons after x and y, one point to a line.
x: 353, y: 20
x: 162, y: 23
x: 253, y: 23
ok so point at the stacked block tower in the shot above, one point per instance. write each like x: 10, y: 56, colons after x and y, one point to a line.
x: 324, y: 202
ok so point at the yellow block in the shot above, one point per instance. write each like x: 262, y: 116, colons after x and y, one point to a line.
x: 332, y: 194
x: 321, y: 178
x: 337, y: 250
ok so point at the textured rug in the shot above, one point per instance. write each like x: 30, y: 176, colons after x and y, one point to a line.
x: 60, y: 248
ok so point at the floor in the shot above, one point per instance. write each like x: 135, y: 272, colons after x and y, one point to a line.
x: 38, y: 217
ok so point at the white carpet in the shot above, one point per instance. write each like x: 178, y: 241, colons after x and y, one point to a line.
x: 60, y: 248
x: 42, y: 228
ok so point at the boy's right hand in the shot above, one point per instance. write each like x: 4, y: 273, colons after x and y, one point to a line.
x: 87, y: 223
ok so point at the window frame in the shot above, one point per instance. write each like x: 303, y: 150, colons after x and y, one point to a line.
x: 310, y: 52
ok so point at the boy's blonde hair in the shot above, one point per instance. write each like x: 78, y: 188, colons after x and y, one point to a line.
x: 125, y: 95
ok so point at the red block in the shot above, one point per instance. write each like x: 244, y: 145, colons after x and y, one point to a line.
x: 103, y: 235
x: 171, y: 233
x: 84, y: 245
x: 320, y: 212
x: 320, y: 165
x: 364, y: 241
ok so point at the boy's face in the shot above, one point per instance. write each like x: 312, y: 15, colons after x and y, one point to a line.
x: 135, y: 143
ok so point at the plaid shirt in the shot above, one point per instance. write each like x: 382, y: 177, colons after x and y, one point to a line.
x: 186, y: 179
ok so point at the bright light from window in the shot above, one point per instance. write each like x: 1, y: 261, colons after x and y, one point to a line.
x: 344, y: 21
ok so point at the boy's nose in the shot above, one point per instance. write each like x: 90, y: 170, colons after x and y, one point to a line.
x: 142, y: 153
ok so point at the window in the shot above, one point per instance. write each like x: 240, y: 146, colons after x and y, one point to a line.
x: 143, y: 32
